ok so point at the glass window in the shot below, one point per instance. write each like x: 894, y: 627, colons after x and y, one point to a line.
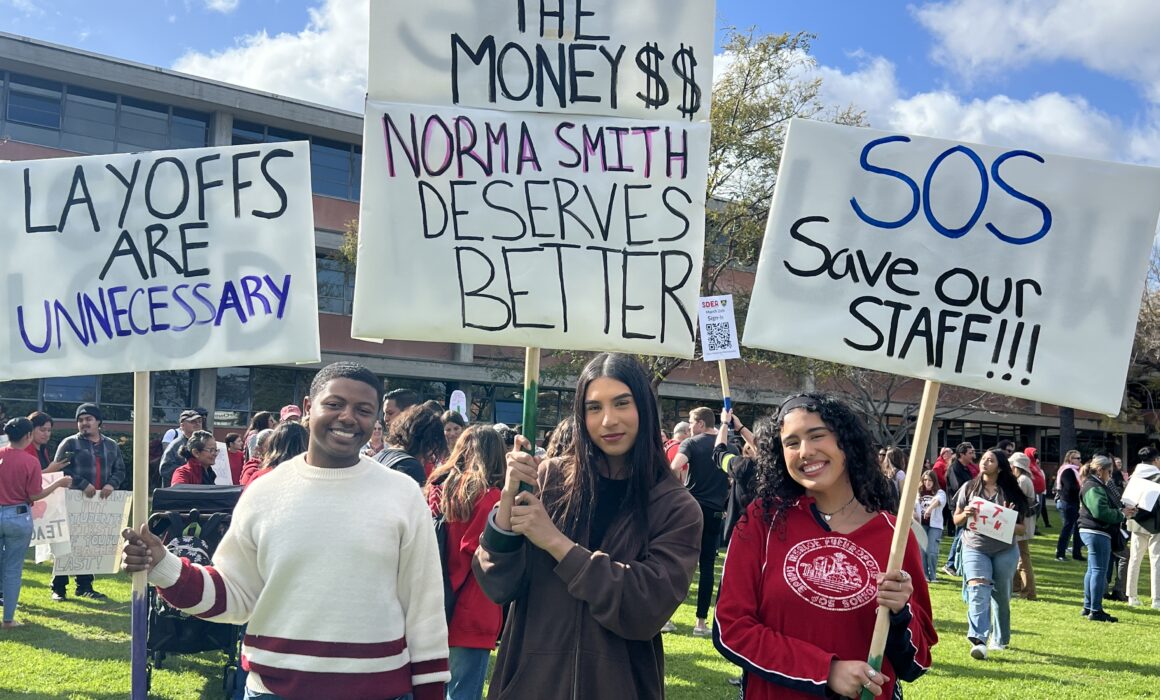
x: 188, y: 129
x: 90, y: 121
x: 19, y: 398
x: 116, y: 399
x: 62, y: 395
x: 335, y: 287
x: 274, y: 134
x: 248, y: 132
x: 233, y: 396
x: 143, y: 125
x: 34, y: 102
x: 171, y: 394
x: 330, y: 168
x: 481, y: 409
x: 273, y: 388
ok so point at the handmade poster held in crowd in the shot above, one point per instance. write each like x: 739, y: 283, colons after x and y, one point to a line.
x: 50, y: 515
x: 1001, y: 269
x: 993, y: 520
x: 95, y: 526
x: 157, y: 261
x: 545, y: 163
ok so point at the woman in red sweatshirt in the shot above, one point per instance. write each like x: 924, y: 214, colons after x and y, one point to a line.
x: 806, y: 568
x: 463, y: 490
x: 200, y: 452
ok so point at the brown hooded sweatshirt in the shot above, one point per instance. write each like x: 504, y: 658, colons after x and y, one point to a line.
x: 589, y: 626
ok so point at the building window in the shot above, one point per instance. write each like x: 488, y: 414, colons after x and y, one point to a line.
x: 241, y: 391
x: 116, y: 397
x: 335, y: 167
x: 63, y: 394
x: 90, y: 121
x: 172, y: 392
x: 19, y: 398
x: 335, y: 287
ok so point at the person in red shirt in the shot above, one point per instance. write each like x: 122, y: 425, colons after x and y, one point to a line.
x: 463, y: 490
x: 681, y: 432
x: 20, y: 485
x: 235, y: 455
x: 940, y: 466
x: 806, y: 571
x: 200, y: 452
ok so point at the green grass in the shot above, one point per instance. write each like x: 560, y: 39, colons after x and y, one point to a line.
x: 80, y: 649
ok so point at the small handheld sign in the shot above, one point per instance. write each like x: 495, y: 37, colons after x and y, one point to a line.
x: 458, y: 403
x: 993, y: 520
x: 719, y: 337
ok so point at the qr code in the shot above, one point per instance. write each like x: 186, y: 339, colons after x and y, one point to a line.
x: 717, y: 337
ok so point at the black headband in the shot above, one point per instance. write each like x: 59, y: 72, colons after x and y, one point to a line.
x: 793, y: 402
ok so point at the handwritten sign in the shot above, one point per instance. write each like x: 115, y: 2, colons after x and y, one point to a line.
x: 1141, y: 493
x: 95, y: 526
x: 563, y: 204
x: 458, y: 403
x: 50, y: 515
x: 718, y: 328
x: 1002, y: 269
x: 993, y: 520
x: 156, y: 261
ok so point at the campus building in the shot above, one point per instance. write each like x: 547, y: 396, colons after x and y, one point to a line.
x: 57, y: 101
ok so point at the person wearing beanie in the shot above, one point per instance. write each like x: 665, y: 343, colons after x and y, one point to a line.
x: 97, y: 468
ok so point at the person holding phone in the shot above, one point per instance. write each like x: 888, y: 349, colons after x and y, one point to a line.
x: 41, y: 434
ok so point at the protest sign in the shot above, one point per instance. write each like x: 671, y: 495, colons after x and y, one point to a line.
x: 576, y: 222
x: 50, y: 515
x: 458, y: 403
x: 221, y: 466
x: 1142, y: 494
x: 1002, y: 269
x: 156, y: 261
x: 718, y: 328
x: 993, y: 520
x: 95, y: 526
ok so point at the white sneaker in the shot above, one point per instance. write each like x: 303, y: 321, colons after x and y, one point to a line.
x: 1134, y: 602
x: 669, y: 627
x: 979, y: 652
x: 996, y: 646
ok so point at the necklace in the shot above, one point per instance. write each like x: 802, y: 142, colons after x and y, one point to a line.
x: 830, y: 516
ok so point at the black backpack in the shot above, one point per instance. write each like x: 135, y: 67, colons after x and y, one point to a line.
x: 189, y: 539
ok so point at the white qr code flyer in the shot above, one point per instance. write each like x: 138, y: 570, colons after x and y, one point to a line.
x: 718, y: 329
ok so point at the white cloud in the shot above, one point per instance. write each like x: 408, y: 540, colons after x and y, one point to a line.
x: 223, y: 6
x: 1052, y: 122
x: 985, y: 37
x: 325, y: 63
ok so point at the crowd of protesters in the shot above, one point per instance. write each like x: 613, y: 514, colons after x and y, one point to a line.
x: 601, y: 531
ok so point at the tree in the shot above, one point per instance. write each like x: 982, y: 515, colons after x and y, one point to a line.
x: 758, y: 91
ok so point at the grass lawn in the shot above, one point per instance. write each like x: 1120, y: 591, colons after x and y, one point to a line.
x: 80, y: 649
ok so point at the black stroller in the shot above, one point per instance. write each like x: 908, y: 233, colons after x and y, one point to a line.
x: 191, y: 520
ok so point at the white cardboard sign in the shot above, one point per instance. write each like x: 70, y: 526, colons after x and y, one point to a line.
x: 574, y: 226
x: 156, y: 261
x: 1002, y: 269
x: 1141, y: 493
x: 95, y: 526
x: 993, y: 520
x: 718, y: 328
x: 50, y: 515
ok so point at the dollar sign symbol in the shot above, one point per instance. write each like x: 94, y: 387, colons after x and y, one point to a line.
x: 685, y: 64
x: 656, y: 92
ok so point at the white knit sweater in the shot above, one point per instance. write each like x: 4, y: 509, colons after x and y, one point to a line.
x: 337, y: 573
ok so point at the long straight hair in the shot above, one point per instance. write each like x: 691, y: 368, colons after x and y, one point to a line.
x: 571, y: 502
x: 1005, y: 480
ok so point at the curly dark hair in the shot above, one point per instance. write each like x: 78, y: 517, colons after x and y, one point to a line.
x: 419, y: 432
x: 778, y: 491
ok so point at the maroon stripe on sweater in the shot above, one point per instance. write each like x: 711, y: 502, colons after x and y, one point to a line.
x: 418, y: 668
x: 293, y: 684
x: 345, y: 650
x: 219, y: 594
x: 189, y: 588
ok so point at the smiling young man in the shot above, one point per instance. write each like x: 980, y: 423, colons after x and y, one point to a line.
x: 383, y: 635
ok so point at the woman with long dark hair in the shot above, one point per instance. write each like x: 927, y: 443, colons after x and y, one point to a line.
x: 262, y: 420
x: 597, y: 556
x: 463, y: 490
x: 806, y: 568
x: 286, y: 442
x: 928, y: 511
x: 988, y: 565
x: 41, y: 435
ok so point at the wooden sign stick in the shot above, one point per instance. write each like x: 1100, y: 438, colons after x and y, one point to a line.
x: 531, y: 399
x: 905, y: 513
x: 139, y: 608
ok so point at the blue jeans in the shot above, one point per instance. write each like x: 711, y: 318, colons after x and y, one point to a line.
x: 930, y: 556
x: 955, y: 544
x: 1070, y: 514
x: 1095, y: 581
x: 468, y: 673
x: 15, y: 534
x: 996, y: 570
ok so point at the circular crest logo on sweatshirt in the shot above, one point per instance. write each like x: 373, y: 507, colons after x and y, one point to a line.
x: 832, y: 573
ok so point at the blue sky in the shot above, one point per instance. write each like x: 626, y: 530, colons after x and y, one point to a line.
x: 1079, y: 77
